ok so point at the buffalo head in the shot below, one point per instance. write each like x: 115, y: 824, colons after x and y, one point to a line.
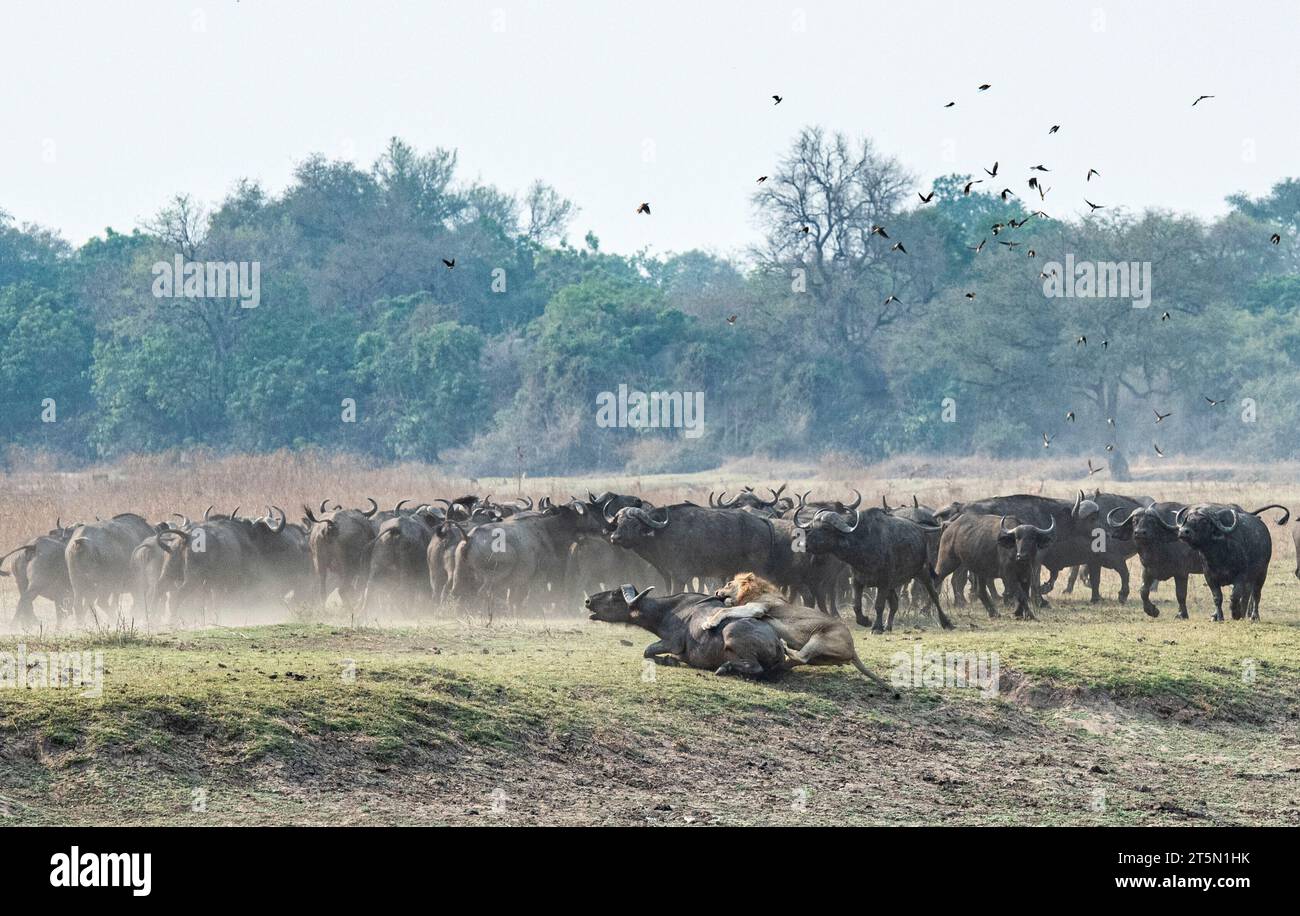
x: 1024, y: 540
x: 634, y: 523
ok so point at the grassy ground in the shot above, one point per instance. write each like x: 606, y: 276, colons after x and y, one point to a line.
x: 1102, y: 717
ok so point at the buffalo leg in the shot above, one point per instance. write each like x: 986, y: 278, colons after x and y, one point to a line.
x: 323, y: 587
x: 1180, y: 589
x: 1039, y: 588
x: 25, y: 615
x: 1240, y: 598
x: 959, y: 577
x: 1217, y: 592
x: 1122, y: 570
x: 928, y: 584
x: 1147, y: 604
x: 179, y: 597
x: 858, y: 587
x: 879, y: 625
x: 1094, y: 584
x: 981, y: 591
x: 1022, y: 599
x: 892, y: 597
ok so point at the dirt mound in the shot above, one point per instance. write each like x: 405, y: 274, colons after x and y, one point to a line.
x: 1022, y: 690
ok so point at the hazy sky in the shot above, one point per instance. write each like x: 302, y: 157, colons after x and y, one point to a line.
x: 109, y: 108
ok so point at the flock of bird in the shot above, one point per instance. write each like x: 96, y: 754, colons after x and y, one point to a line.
x: 1034, y: 185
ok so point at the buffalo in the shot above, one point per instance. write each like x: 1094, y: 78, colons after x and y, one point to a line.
x: 988, y: 549
x: 99, y: 561
x: 1236, y: 547
x: 884, y: 552
x: 337, y: 540
x: 1073, y: 533
x: 747, y: 647
x: 41, y: 571
x: 684, y: 541
x: 1162, y: 554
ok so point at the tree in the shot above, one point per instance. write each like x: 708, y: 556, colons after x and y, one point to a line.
x: 840, y: 190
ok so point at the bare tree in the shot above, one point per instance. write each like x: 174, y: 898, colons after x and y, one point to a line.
x: 817, y: 212
x: 181, y: 224
x: 548, y: 213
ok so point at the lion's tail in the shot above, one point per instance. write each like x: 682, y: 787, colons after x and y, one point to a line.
x: 857, y: 663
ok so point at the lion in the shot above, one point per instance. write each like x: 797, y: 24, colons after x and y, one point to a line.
x: 809, y: 636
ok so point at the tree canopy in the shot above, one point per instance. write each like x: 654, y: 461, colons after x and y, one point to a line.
x: 462, y: 326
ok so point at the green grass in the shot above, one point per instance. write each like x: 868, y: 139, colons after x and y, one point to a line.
x: 434, y: 722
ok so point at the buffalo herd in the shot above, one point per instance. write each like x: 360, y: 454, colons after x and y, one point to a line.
x: 519, y: 554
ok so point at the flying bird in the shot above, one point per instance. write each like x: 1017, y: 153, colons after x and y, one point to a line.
x: 1157, y: 448
x: 1054, y: 128
x: 1009, y: 244
x: 984, y: 86
x: 1032, y: 253
x: 1165, y: 317
x: 1160, y: 416
x: 898, y: 246
x: 1047, y: 440
x: 1008, y: 192
x: 777, y: 100
x: 994, y: 173
x: 950, y: 104
x: 731, y: 319
x: 1092, y: 470
x: 1276, y: 238
x: 762, y: 178
x: 1039, y: 168
x: 977, y: 248
x: 1201, y: 98
x: 1110, y: 446
x: 450, y: 264
x: 1070, y: 416
x: 805, y: 229
x: 880, y: 231
x: 1110, y: 420
x: 970, y: 295
x: 893, y: 298
x: 971, y: 184
x: 1082, y: 341
x: 1092, y: 172
x: 1095, y: 207
x: 925, y: 198
x: 644, y: 208
x: 1212, y: 401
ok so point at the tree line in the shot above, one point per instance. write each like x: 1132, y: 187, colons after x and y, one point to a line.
x: 404, y: 314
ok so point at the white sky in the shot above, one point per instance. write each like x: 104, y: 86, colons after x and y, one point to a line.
x: 109, y: 108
